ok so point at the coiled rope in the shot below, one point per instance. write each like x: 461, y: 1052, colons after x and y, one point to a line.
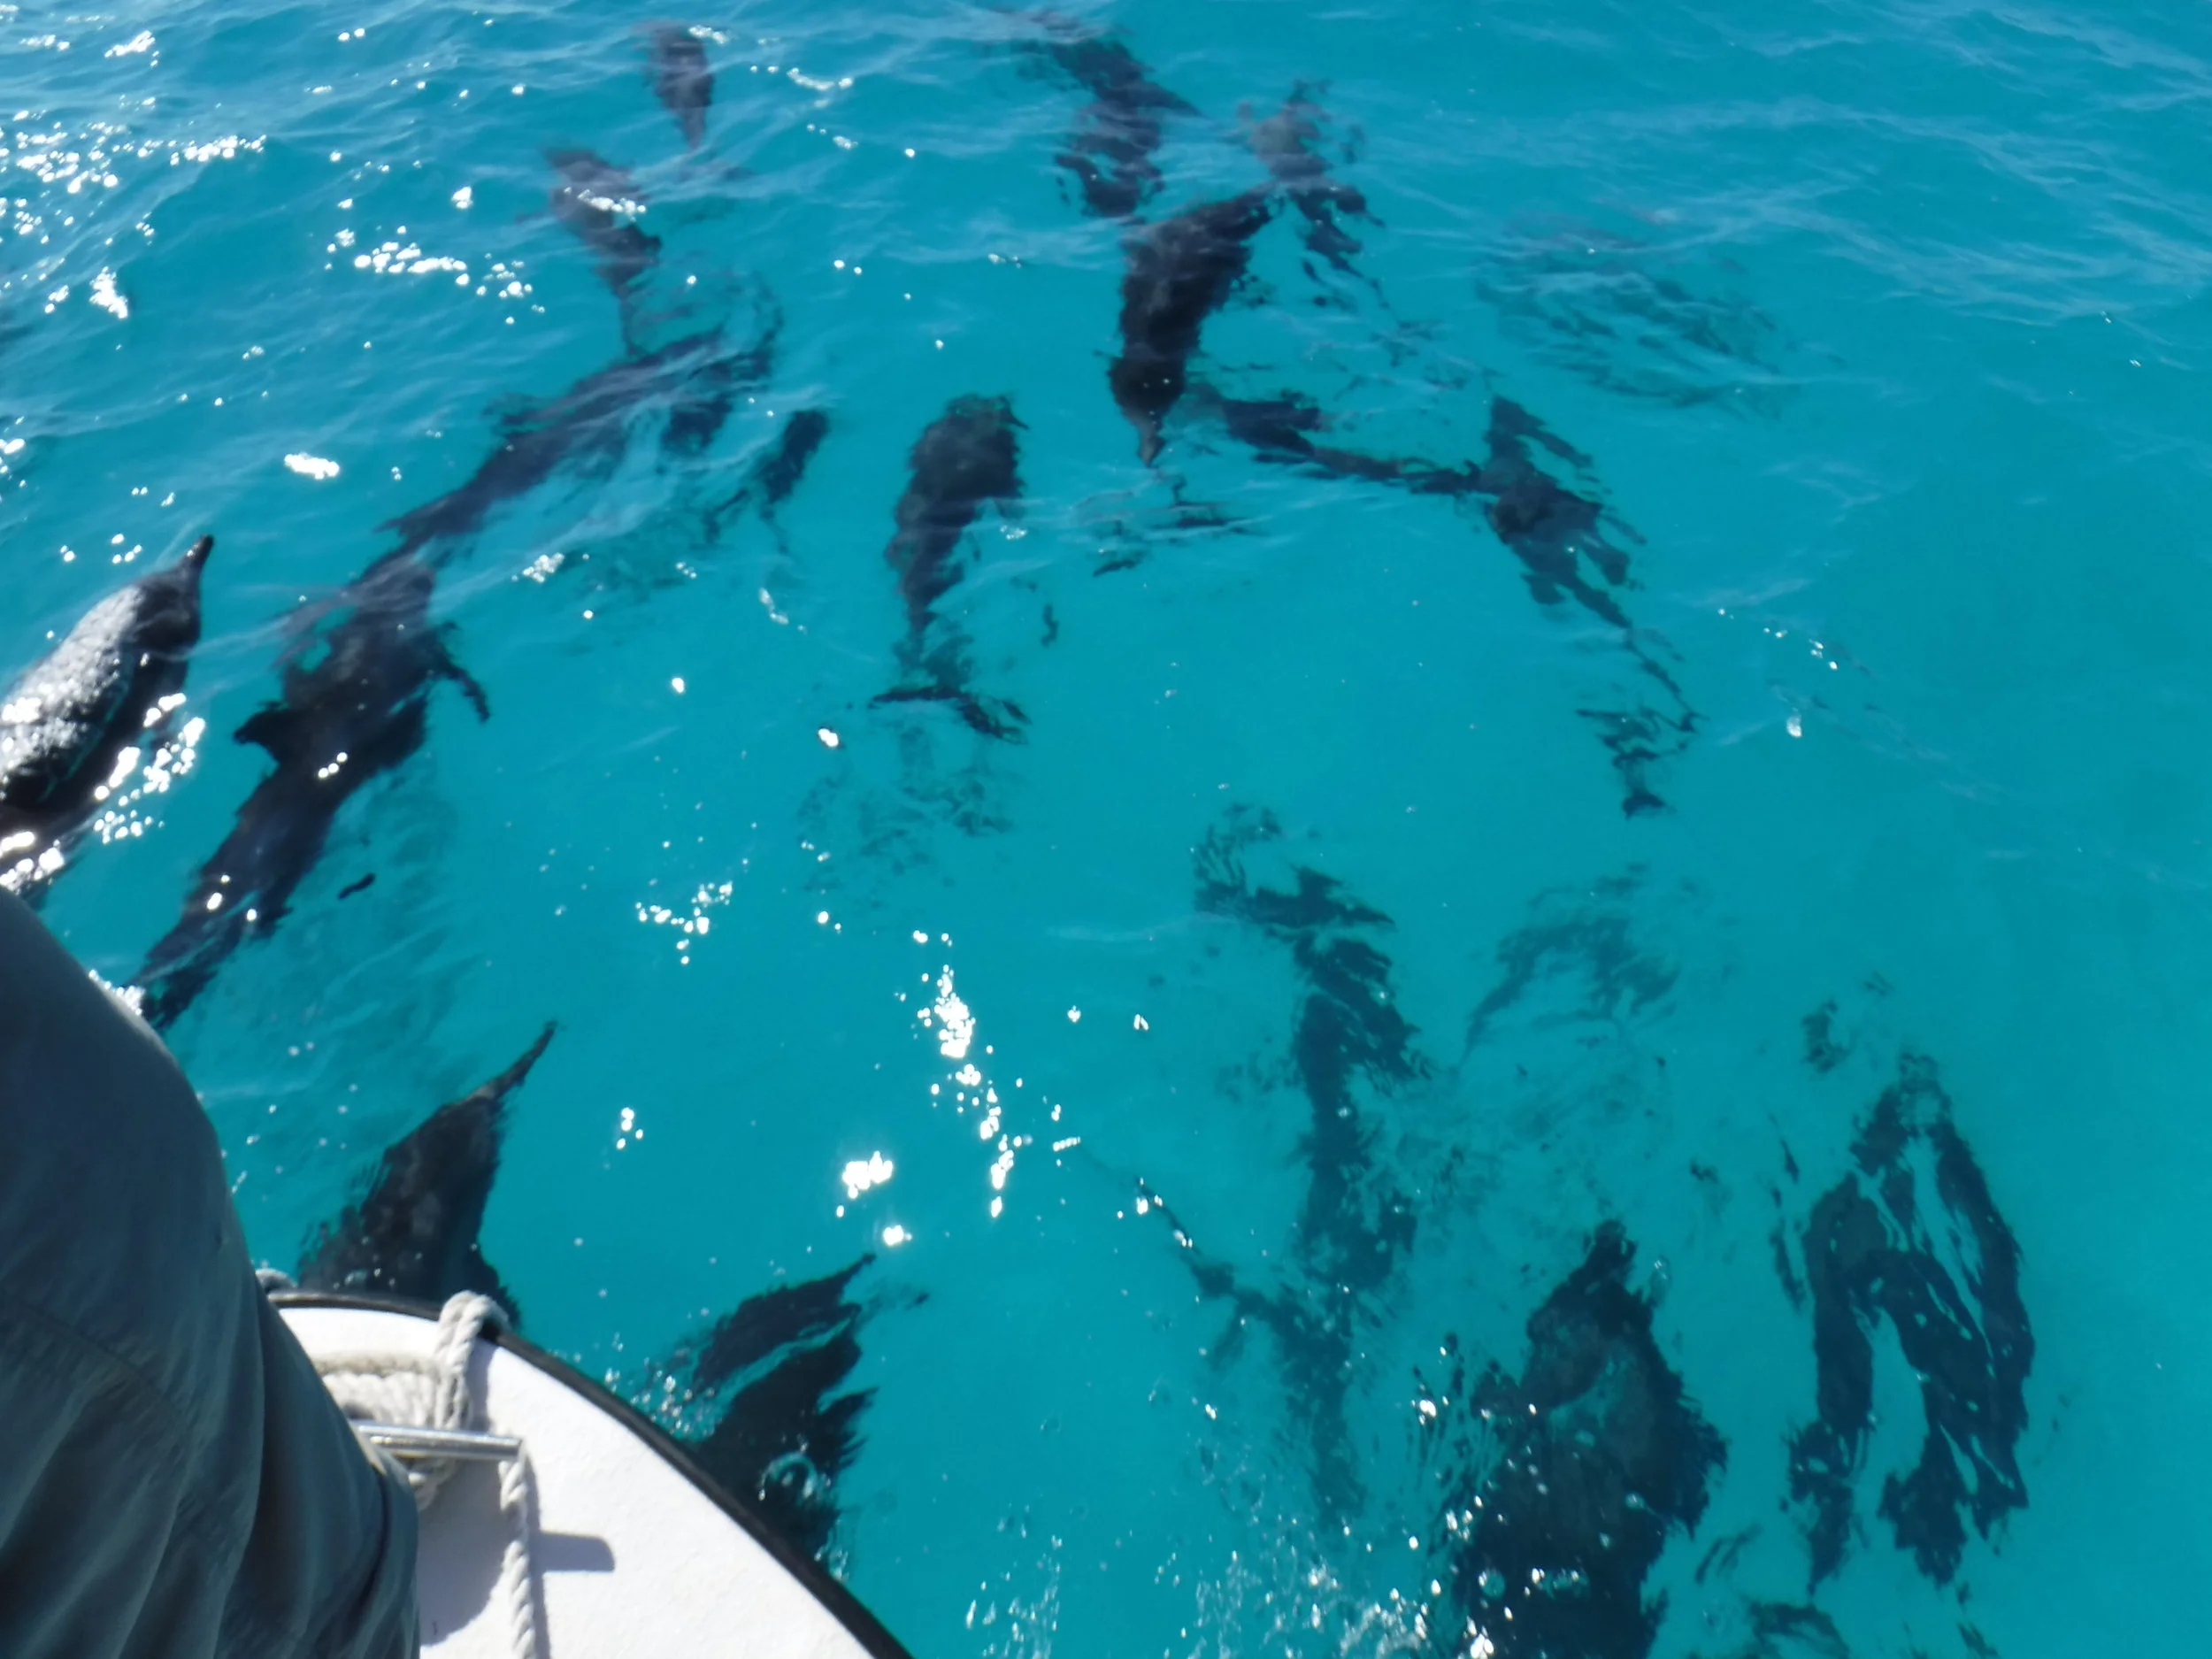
x: 409, y: 1391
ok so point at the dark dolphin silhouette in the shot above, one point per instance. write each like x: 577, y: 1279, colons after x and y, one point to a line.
x: 1287, y: 144
x: 1109, y: 152
x: 696, y: 378
x: 353, y: 703
x: 772, y: 477
x: 413, y: 1231
x: 1545, y: 525
x: 966, y: 457
x: 771, y: 480
x: 1880, y: 1249
x: 1178, y: 272
x: 676, y: 64
x: 1610, y: 308
x: 1349, y: 1045
x: 784, y: 1434
x: 600, y: 204
x: 107, y: 686
x: 1562, y: 1486
x: 1548, y: 527
x: 1285, y: 431
x: 1552, y: 529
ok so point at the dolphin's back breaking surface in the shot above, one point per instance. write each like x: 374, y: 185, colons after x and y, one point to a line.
x: 414, y: 1232
x: 68, y: 718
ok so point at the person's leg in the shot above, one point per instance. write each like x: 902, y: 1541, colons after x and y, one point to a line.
x: 173, y: 1480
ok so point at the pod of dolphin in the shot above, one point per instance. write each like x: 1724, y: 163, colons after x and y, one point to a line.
x: 1559, y: 1485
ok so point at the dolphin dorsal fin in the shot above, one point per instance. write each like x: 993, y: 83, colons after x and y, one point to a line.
x: 269, y: 726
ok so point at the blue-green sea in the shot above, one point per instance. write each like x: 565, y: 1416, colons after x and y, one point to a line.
x: 1253, y: 1042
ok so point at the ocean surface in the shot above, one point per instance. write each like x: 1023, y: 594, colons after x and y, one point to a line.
x: 1570, y: 1020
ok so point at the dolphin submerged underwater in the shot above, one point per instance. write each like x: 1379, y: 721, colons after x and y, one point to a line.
x: 413, y: 1231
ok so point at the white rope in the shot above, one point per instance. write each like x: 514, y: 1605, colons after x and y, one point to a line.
x: 409, y: 1391
x: 517, y: 1496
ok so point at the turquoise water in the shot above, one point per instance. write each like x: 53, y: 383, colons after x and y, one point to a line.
x: 1875, y: 325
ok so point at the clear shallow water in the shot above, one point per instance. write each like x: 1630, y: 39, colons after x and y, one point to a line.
x: 1877, y: 325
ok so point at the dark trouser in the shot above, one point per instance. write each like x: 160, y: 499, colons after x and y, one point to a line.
x: 173, y: 1480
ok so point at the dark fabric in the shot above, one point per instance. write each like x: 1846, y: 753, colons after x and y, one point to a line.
x: 174, y: 1482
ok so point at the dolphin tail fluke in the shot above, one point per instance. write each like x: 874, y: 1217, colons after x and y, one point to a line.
x: 997, y: 717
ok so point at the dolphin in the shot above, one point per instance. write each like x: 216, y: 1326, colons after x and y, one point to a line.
x: 964, y: 458
x: 1913, y: 1239
x: 1550, y: 527
x: 1350, y: 1045
x: 676, y: 64
x: 1286, y: 145
x: 1562, y: 1486
x: 413, y: 1230
x: 70, y: 717
x: 601, y: 205
x: 1178, y: 272
x: 1547, y: 525
x: 785, y: 1434
x: 777, y: 472
x: 1110, y: 153
x: 1282, y: 430
x: 696, y: 378
x: 989, y: 717
x: 770, y: 482
x: 353, y: 703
